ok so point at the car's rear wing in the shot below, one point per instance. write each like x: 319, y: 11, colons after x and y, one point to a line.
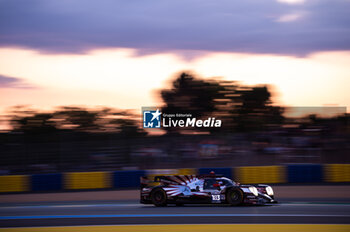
x: 166, y: 180
x: 173, y: 179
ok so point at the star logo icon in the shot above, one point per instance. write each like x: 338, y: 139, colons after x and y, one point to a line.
x: 151, y: 117
x: 156, y: 115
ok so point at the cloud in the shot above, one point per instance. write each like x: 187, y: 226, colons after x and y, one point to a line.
x: 13, y: 82
x: 289, y: 17
x: 165, y: 25
x: 291, y: 1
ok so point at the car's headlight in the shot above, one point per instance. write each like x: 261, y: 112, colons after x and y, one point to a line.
x: 269, y: 191
x: 253, y: 190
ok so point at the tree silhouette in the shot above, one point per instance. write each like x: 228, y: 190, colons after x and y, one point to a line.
x: 241, y: 108
x: 77, y: 118
x: 37, y: 123
x: 190, y: 95
x: 255, y: 111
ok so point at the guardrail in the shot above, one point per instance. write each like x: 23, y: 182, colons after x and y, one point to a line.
x: 294, y: 173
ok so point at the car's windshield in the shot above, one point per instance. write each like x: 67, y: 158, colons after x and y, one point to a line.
x: 209, y: 183
x: 222, y: 181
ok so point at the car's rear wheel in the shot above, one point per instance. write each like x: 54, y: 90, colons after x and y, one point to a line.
x: 234, y: 196
x: 158, y: 197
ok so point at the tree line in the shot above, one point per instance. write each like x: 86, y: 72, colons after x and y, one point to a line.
x: 241, y: 108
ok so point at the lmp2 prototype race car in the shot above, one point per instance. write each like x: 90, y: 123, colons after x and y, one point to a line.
x: 202, y: 189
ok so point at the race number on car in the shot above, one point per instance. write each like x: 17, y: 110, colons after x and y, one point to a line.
x: 215, y: 197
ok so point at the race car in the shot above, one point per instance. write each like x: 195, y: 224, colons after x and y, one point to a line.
x: 202, y: 189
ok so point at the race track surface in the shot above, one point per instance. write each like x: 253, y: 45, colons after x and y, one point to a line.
x: 132, y: 213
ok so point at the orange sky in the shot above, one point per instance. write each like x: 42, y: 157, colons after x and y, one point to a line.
x: 118, y: 78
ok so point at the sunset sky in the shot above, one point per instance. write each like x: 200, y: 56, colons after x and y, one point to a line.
x: 118, y: 53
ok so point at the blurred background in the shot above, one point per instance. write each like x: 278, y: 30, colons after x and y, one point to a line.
x: 255, y: 131
x: 74, y: 77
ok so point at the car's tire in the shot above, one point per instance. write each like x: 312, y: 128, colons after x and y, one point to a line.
x: 234, y: 196
x: 158, y: 197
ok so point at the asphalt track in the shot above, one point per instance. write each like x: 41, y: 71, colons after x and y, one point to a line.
x: 81, y: 213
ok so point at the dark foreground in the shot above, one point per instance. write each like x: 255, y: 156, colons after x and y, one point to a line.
x: 132, y: 213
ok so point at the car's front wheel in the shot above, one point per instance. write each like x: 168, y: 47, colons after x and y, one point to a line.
x: 158, y: 197
x: 234, y: 196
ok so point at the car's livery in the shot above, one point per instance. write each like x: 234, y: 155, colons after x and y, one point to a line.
x: 202, y: 189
